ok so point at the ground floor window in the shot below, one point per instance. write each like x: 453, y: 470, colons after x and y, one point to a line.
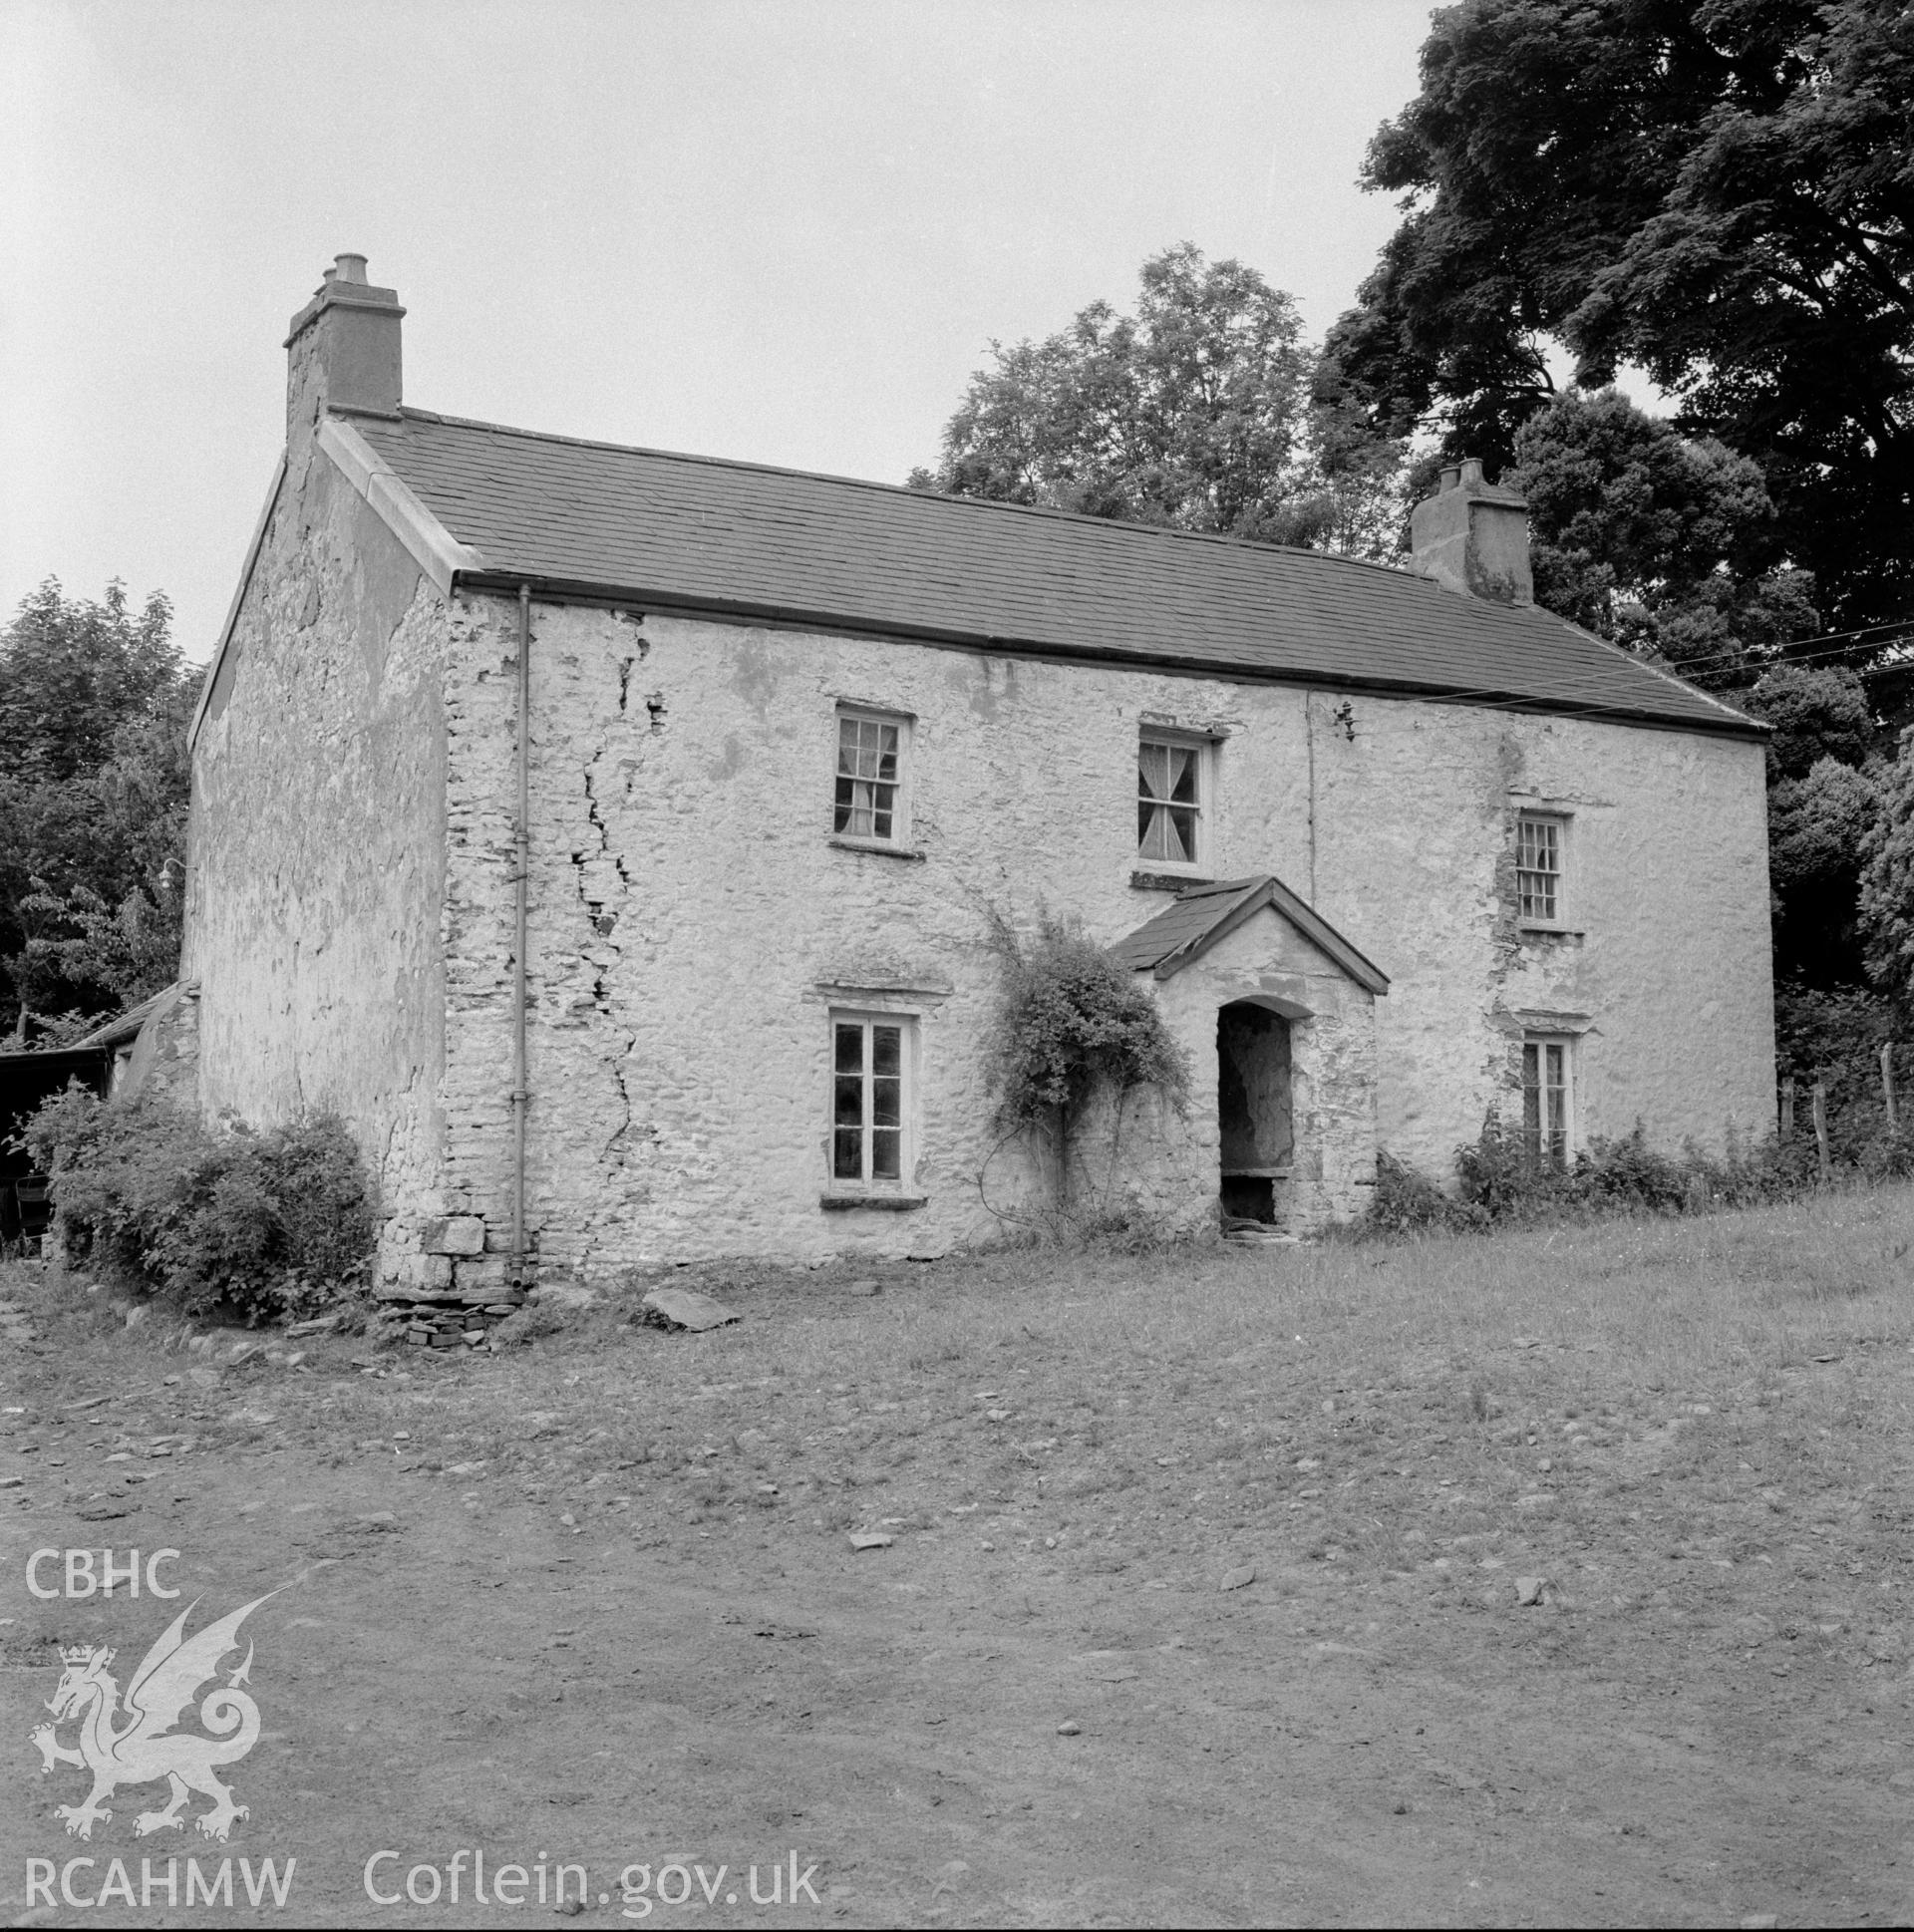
x: 870, y: 1098
x: 1547, y: 1095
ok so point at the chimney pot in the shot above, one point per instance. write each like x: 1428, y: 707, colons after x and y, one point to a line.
x: 1471, y: 536
x: 352, y: 268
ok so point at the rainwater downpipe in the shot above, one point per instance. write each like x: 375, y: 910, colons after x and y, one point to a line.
x: 521, y: 872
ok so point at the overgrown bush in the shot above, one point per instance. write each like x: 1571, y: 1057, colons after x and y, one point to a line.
x: 1073, y: 1022
x: 262, y: 1225
x: 1499, y: 1182
x: 1076, y: 1035
x: 1406, y: 1201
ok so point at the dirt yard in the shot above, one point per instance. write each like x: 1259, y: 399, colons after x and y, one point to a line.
x: 1201, y: 1604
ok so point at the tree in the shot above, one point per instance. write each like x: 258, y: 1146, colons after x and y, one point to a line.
x: 1718, y: 190
x: 1817, y: 828
x: 1887, y: 878
x: 1198, y: 413
x: 1815, y: 715
x: 1663, y: 542
x: 1821, y: 806
x: 94, y: 784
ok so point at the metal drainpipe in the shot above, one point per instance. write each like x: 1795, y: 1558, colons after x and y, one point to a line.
x: 521, y: 867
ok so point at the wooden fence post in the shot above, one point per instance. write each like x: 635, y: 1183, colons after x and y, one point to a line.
x: 1887, y: 1086
x: 1788, y: 1108
x: 1820, y: 1097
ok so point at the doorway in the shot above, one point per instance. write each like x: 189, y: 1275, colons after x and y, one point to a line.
x: 1254, y: 1108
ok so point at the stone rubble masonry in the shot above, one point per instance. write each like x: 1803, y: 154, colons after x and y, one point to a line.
x: 694, y: 925
x: 454, y: 1234
x: 316, y: 849
x: 165, y: 1060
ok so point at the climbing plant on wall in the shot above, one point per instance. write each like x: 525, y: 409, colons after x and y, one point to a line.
x: 1073, y: 1027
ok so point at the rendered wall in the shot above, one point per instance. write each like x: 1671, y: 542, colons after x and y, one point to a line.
x: 693, y: 927
x: 1333, y: 1069
x: 317, y: 841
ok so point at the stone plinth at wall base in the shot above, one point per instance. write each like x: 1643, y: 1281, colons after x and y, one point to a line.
x: 481, y: 1274
x: 455, y: 1235
x: 448, y: 1320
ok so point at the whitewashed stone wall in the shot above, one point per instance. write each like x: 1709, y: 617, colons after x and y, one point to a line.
x: 316, y: 862
x: 693, y: 925
x: 1332, y: 1071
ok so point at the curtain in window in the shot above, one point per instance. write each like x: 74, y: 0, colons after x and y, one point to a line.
x: 867, y: 778
x: 1166, y: 802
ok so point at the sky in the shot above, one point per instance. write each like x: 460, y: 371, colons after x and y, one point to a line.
x: 784, y: 230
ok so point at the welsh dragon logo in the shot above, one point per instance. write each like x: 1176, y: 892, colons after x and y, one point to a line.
x: 137, y: 1744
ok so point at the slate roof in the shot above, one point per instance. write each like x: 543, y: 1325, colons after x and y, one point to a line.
x: 827, y: 552
x: 1202, y: 914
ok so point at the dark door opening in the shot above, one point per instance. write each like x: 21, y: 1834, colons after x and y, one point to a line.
x: 1254, y: 1108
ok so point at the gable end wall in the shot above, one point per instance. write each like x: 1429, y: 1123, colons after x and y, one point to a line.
x: 316, y: 849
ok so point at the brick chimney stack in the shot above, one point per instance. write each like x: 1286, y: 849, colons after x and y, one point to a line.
x: 1472, y: 536
x: 343, y: 350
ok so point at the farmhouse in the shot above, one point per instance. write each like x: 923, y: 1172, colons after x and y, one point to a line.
x: 617, y: 839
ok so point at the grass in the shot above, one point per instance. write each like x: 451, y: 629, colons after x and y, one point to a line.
x: 1363, y: 1403
x: 1696, y: 1430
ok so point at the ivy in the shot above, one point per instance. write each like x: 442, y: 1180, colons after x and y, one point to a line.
x: 1073, y: 1024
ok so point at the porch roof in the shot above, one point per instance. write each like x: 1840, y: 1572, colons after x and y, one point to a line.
x: 1202, y: 915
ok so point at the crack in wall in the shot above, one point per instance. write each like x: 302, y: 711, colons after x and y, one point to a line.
x: 624, y: 1098
x: 592, y: 812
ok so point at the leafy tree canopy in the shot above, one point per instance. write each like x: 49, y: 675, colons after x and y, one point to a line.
x: 1200, y: 412
x: 94, y: 784
x: 1817, y: 827
x: 1815, y: 715
x: 1661, y: 541
x: 1718, y: 190
x: 1821, y: 808
x: 74, y: 672
x: 1887, y: 878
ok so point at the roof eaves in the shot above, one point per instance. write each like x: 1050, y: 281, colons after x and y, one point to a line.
x: 499, y: 578
x: 1741, y: 720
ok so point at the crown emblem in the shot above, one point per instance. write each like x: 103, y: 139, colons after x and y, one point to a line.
x: 85, y: 1654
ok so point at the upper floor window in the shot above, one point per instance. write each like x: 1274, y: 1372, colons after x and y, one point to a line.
x: 1539, y: 843
x: 870, y: 800
x: 1172, y: 798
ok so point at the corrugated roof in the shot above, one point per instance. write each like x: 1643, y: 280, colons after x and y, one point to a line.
x: 825, y: 551
x: 1202, y: 914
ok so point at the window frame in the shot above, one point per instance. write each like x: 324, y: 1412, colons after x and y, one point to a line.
x: 902, y: 722
x: 1561, y: 822
x: 1537, y: 1154
x: 867, y: 1183
x: 1202, y: 748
